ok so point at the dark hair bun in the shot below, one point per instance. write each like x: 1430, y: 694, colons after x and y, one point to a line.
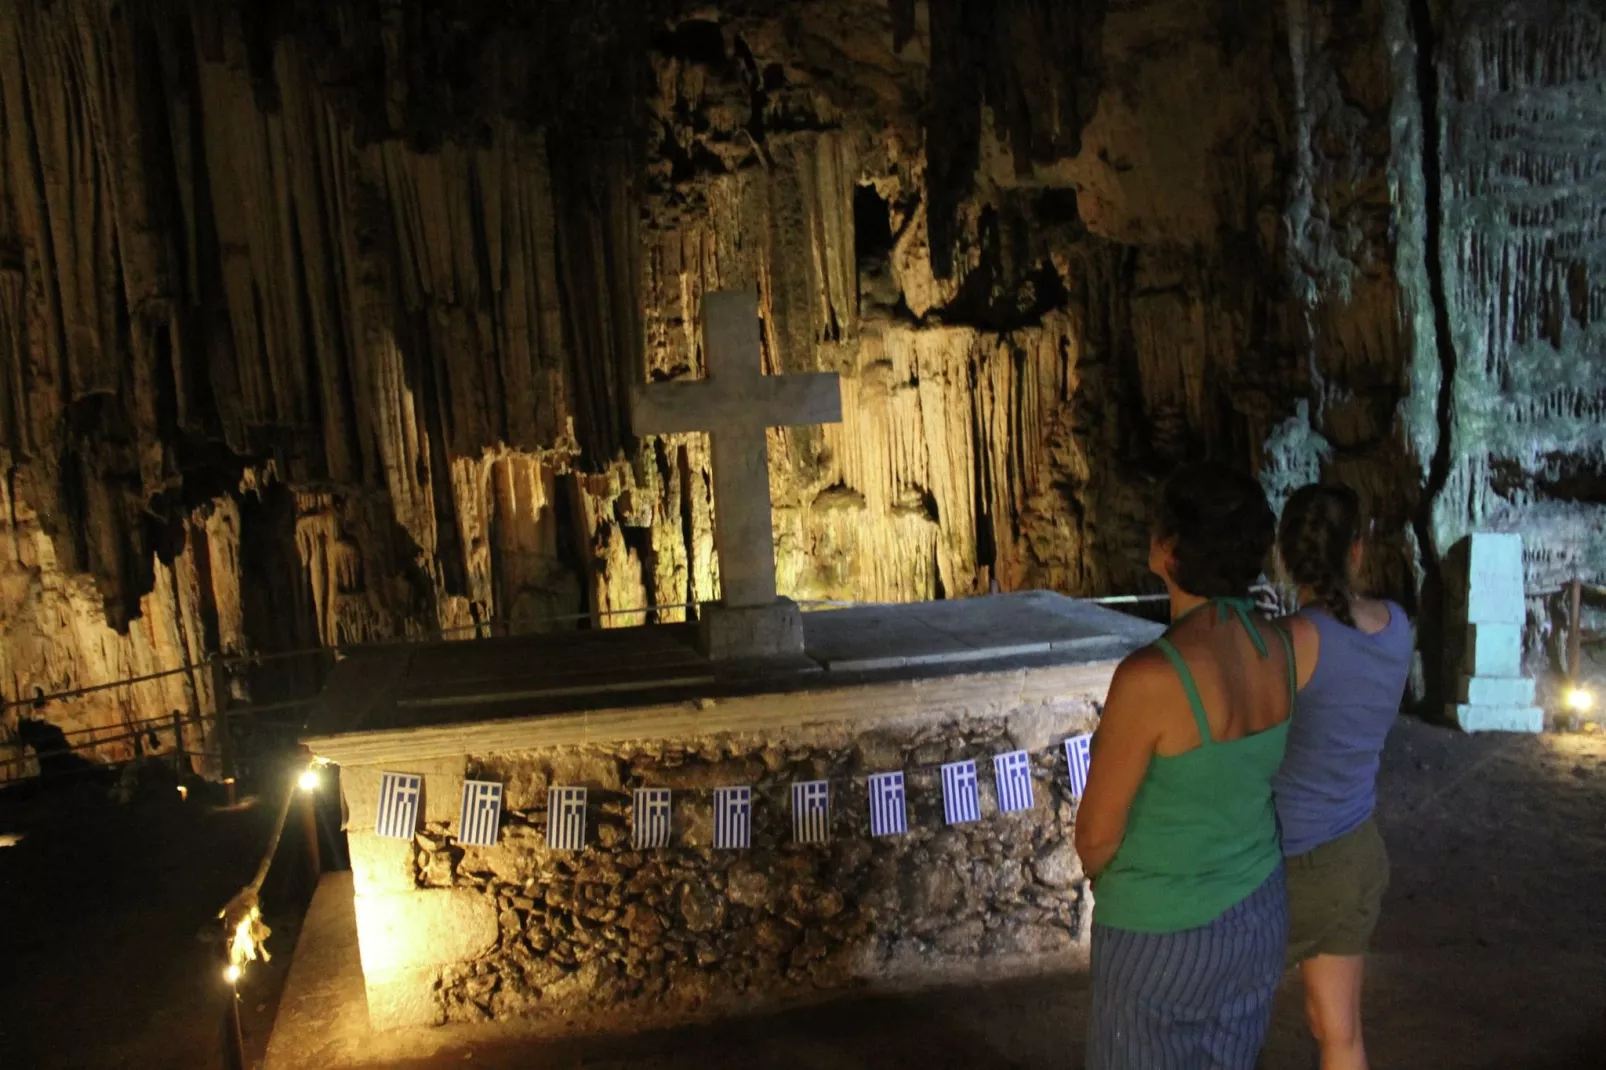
x: 1222, y: 526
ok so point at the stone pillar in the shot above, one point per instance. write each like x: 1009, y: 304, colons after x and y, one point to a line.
x: 405, y: 933
x: 1493, y: 694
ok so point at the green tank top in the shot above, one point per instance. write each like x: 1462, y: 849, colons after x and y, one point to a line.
x: 1202, y: 831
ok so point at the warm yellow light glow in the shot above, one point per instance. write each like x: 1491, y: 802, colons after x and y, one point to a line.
x: 245, y: 943
x: 1580, y: 700
x: 309, y: 780
x: 231, y: 974
x: 183, y: 792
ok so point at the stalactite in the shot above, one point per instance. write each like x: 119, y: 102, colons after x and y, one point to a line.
x: 318, y: 330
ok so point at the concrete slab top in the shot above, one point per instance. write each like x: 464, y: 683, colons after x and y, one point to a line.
x: 432, y: 685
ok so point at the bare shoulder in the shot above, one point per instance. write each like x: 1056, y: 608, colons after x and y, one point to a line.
x: 1141, y: 675
x: 1307, y: 639
x: 1301, y: 629
x: 1141, y: 667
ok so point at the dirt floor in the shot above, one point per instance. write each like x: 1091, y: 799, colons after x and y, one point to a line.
x: 1492, y: 952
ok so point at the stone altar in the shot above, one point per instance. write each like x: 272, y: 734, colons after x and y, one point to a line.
x: 607, y: 935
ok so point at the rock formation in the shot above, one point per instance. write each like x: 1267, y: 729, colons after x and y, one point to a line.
x: 316, y: 319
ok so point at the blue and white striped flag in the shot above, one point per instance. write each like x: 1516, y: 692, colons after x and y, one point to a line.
x: 649, y: 826
x: 888, y: 814
x: 1013, y: 774
x: 398, y: 805
x: 811, y: 811
x: 566, y: 819
x: 733, y: 818
x: 482, y: 813
x: 1078, y: 756
x: 961, y: 799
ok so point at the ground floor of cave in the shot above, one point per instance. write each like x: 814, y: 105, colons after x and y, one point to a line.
x: 1492, y: 951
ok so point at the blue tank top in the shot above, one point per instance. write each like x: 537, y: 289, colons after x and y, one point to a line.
x: 1327, y: 786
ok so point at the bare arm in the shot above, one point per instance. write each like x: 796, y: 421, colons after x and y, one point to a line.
x: 1122, y: 749
x: 1307, y: 646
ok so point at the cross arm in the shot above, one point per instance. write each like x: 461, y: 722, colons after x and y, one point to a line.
x: 716, y: 405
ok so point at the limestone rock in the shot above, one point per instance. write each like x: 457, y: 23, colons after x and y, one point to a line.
x: 700, y: 908
x: 936, y: 891
x: 307, y: 362
x: 1058, y: 866
x: 747, y: 887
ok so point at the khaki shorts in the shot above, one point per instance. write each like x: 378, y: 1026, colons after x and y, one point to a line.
x: 1335, y: 893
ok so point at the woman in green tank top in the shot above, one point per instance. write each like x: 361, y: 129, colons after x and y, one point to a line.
x: 1177, y: 828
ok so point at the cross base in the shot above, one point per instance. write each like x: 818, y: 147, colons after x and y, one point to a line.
x: 751, y: 633
x: 1473, y: 717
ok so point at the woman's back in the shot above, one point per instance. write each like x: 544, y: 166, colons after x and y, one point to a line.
x: 1176, y: 827
x: 1328, y: 782
x: 1241, y: 677
x: 1202, y: 832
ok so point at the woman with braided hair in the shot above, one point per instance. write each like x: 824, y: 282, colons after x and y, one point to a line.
x: 1354, y: 654
x: 1177, y: 828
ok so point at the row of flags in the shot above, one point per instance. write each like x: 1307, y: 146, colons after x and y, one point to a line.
x: 652, y: 809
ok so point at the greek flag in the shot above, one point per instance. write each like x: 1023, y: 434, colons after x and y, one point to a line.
x: 398, y: 805
x: 482, y: 813
x: 811, y: 811
x: 565, y: 819
x: 1078, y: 755
x: 888, y: 815
x: 733, y: 818
x: 649, y: 826
x: 1013, y: 773
x: 961, y: 800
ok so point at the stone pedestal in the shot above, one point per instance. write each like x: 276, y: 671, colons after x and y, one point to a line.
x: 1493, y: 695
x: 752, y: 633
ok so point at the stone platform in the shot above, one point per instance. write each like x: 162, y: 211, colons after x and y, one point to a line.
x: 455, y: 933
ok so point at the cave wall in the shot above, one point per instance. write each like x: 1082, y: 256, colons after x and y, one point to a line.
x: 316, y: 323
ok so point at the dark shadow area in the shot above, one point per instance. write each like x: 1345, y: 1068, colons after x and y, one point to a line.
x: 872, y: 227
x: 55, y: 754
x: 112, y: 944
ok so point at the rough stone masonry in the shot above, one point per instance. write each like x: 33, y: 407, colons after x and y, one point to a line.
x: 667, y: 935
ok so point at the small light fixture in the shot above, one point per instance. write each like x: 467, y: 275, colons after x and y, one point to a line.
x: 1579, y: 700
x: 231, y: 973
x: 308, y: 780
x: 183, y: 792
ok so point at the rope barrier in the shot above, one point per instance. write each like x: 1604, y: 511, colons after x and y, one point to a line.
x: 244, y: 931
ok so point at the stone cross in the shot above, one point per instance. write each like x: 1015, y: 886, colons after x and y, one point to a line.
x: 735, y: 403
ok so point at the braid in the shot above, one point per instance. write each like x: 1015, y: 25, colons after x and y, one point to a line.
x: 1319, y: 526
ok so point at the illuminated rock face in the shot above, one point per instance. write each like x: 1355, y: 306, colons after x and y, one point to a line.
x: 323, y: 330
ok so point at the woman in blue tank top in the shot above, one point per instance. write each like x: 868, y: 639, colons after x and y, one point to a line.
x: 1354, y: 663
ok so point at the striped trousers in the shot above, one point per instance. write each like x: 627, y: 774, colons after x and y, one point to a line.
x: 1199, y: 999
